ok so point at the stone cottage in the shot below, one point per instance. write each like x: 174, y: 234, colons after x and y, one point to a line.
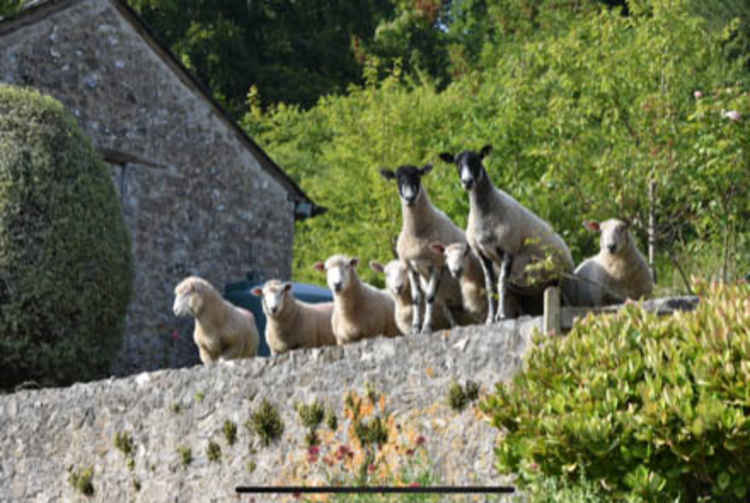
x: 199, y: 196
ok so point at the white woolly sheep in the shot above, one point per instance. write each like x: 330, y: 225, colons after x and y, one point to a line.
x: 397, y: 284
x: 501, y: 230
x: 222, y: 331
x: 291, y: 323
x: 359, y: 310
x: 423, y: 224
x: 618, y: 272
x: 464, y: 266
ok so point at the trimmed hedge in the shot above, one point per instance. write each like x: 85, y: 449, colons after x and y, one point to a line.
x: 649, y: 408
x: 65, y: 255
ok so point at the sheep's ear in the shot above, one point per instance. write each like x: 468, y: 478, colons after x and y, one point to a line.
x: 258, y: 292
x: 425, y: 169
x: 448, y: 157
x: 486, y: 150
x: 376, y: 266
x: 287, y: 286
x: 354, y: 262
x: 387, y: 174
x: 319, y: 266
x: 438, y: 247
x: 592, y: 225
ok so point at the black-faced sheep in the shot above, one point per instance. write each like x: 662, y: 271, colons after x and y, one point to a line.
x: 359, y: 310
x: 618, y: 272
x: 502, y: 231
x: 291, y: 323
x: 222, y: 330
x: 423, y: 224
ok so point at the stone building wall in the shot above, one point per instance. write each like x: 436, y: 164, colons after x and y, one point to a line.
x: 197, y: 201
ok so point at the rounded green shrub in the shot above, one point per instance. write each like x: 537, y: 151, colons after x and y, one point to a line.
x: 648, y: 408
x: 65, y: 256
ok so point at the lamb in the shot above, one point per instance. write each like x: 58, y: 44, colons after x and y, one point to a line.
x: 291, y: 323
x: 423, y: 224
x: 502, y: 231
x: 359, y: 310
x: 397, y: 284
x: 222, y: 330
x: 618, y: 272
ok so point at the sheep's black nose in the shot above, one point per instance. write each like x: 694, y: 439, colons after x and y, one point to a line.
x: 468, y: 183
x: 612, y: 248
x: 337, y: 286
x: 274, y: 309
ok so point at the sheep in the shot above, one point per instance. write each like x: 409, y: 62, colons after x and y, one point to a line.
x: 464, y: 266
x: 422, y: 224
x: 359, y: 310
x: 397, y: 284
x: 222, y: 331
x: 502, y: 231
x: 291, y: 323
x: 618, y: 272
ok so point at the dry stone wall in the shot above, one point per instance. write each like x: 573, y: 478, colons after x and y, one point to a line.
x: 163, y: 416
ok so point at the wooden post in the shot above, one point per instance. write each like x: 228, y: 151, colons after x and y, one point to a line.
x: 652, y: 227
x: 551, y: 322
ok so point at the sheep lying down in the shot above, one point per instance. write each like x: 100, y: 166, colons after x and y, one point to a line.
x: 291, y: 323
x: 222, y: 331
x: 618, y: 272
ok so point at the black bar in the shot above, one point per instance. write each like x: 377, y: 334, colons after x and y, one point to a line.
x: 374, y: 489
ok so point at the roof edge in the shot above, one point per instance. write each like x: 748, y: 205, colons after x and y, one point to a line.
x: 304, y: 206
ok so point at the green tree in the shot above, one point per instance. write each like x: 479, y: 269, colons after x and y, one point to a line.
x: 584, y: 116
x: 293, y: 51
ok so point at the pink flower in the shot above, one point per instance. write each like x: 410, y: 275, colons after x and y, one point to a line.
x: 312, y: 458
x: 371, y: 468
x: 410, y: 452
x: 420, y: 440
x: 698, y: 95
x: 313, y: 450
x: 414, y: 484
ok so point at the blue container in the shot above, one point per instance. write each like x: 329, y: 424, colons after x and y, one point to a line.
x: 241, y: 294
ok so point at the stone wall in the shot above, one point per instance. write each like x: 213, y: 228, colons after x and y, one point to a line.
x: 404, y: 381
x: 199, y: 203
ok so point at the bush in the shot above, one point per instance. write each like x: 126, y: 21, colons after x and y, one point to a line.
x: 649, y: 408
x: 65, y: 257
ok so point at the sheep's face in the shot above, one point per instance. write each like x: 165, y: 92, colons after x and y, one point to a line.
x: 455, y: 258
x: 409, y: 179
x: 187, y: 301
x: 396, y: 278
x: 469, y: 165
x: 340, y: 272
x: 274, y: 297
x: 614, y: 235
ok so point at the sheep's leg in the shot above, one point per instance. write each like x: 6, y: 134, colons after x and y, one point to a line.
x: 489, y: 283
x: 502, y: 286
x: 431, y: 294
x: 447, y: 314
x: 416, y: 301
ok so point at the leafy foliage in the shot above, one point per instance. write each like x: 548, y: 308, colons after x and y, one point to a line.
x: 650, y: 407
x: 585, y: 108
x: 292, y: 51
x: 65, y: 257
